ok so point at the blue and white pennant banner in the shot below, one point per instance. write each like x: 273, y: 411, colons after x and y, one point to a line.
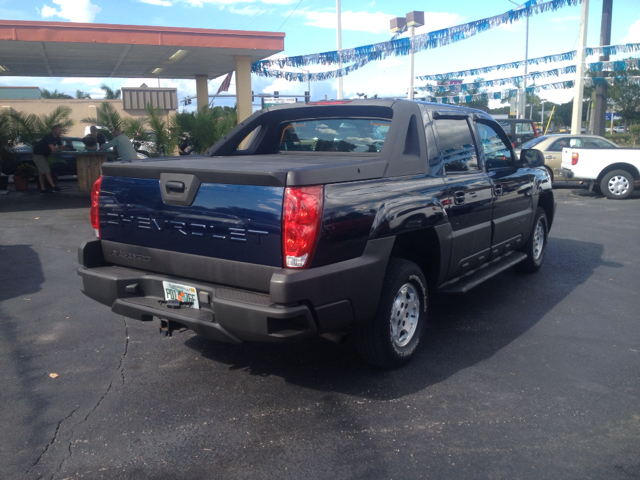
x: 359, y: 56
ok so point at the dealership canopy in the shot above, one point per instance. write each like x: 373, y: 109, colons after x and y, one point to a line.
x: 58, y: 49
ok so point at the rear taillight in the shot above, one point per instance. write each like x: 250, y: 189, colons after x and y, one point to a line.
x: 302, y: 216
x: 95, y: 204
x: 574, y: 158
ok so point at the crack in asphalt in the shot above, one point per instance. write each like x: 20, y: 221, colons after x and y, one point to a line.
x: 120, y: 369
x: 53, y: 440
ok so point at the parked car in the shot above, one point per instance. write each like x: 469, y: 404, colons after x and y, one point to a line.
x: 551, y: 146
x: 618, y: 129
x: 519, y: 130
x: 62, y: 163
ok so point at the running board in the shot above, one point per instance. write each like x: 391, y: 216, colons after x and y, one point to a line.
x: 472, y: 279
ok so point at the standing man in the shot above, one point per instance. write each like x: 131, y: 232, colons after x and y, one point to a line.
x: 95, y: 139
x: 122, y: 143
x: 46, y: 146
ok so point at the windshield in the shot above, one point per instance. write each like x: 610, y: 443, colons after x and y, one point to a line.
x: 349, y: 135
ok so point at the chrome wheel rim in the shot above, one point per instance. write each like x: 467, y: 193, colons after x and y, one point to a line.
x: 538, y: 240
x: 404, y: 315
x: 618, y: 185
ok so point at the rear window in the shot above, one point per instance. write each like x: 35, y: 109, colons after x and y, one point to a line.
x: 347, y: 135
x: 534, y: 142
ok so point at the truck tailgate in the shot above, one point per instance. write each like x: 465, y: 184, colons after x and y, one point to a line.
x: 232, y: 222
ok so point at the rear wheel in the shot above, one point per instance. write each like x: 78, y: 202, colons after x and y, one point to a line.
x: 391, y: 338
x: 536, y: 246
x: 617, y: 184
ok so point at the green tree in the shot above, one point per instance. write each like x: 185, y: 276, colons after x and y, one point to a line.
x: 107, y: 117
x: 165, y: 137
x: 80, y: 95
x: 31, y: 127
x: 206, y: 126
x: 110, y: 94
x: 55, y: 94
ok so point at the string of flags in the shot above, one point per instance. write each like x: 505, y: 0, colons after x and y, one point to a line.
x: 560, y: 57
x: 589, y: 82
x: 618, y: 66
x: 360, y: 56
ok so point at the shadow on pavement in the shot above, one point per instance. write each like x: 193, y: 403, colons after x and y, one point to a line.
x: 31, y: 200
x: 464, y: 330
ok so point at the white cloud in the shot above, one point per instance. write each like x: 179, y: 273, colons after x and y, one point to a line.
x: 247, y: 10
x: 377, y: 22
x: 160, y: 3
x: 278, y: 2
x: 634, y: 33
x: 73, y: 10
x: 86, y: 80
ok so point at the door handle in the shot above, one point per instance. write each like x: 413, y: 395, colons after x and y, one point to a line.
x: 497, y: 189
x: 549, y: 157
x: 176, y: 187
x: 458, y: 198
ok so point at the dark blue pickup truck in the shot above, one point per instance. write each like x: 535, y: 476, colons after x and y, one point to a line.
x: 332, y: 218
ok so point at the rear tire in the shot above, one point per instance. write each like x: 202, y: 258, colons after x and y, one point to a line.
x: 617, y: 185
x: 390, y: 340
x: 536, y: 246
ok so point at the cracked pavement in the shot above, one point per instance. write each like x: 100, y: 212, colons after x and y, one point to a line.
x: 523, y: 377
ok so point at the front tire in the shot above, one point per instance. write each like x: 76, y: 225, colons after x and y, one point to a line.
x: 390, y: 340
x: 617, y: 184
x: 536, y: 246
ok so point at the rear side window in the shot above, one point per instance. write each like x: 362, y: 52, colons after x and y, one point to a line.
x: 456, y: 146
x: 347, y: 135
x: 597, y: 143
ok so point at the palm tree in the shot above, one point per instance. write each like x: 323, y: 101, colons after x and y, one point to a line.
x: 55, y: 94
x: 80, y: 95
x: 31, y: 127
x: 206, y: 126
x: 108, y: 117
x: 110, y: 94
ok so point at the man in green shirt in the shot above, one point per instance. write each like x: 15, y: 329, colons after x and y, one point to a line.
x: 122, y: 144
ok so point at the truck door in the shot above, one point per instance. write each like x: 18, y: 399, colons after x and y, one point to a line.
x: 512, y: 189
x: 468, y: 197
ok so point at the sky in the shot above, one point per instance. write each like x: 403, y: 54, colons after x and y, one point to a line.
x: 311, y: 27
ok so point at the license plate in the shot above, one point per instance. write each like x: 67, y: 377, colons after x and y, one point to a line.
x: 183, y: 293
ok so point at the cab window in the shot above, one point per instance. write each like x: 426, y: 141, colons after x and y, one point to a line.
x: 456, y: 145
x: 347, y: 135
x: 497, y: 153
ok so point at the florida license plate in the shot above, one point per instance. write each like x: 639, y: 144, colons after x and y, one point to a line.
x: 182, y: 293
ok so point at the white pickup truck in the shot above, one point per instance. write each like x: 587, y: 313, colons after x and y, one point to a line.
x: 615, y: 171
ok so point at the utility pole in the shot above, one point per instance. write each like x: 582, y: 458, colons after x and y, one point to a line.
x: 339, y: 47
x: 576, y: 117
x: 600, y: 109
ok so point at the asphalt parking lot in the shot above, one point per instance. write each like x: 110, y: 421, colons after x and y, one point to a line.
x: 527, y: 376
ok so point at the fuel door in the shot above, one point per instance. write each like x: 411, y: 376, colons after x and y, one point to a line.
x: 178, y: 188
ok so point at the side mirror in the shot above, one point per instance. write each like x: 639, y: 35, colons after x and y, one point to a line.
x: 532, y: 157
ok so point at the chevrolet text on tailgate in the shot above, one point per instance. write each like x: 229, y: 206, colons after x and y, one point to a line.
x: 331, y: 219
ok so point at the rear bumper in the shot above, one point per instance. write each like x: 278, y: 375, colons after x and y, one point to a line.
x: 565, y: 172
x: 299, y: 303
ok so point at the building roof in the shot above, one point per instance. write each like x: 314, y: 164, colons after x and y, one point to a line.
x: 59, y: 49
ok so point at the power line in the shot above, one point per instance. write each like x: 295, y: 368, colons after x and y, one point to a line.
x: 292, y: 12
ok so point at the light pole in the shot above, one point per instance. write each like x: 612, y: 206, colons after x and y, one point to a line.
x: 412, y: 20
x: 542, y: 115
x: 339, y: 13
x: 526, y: 64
